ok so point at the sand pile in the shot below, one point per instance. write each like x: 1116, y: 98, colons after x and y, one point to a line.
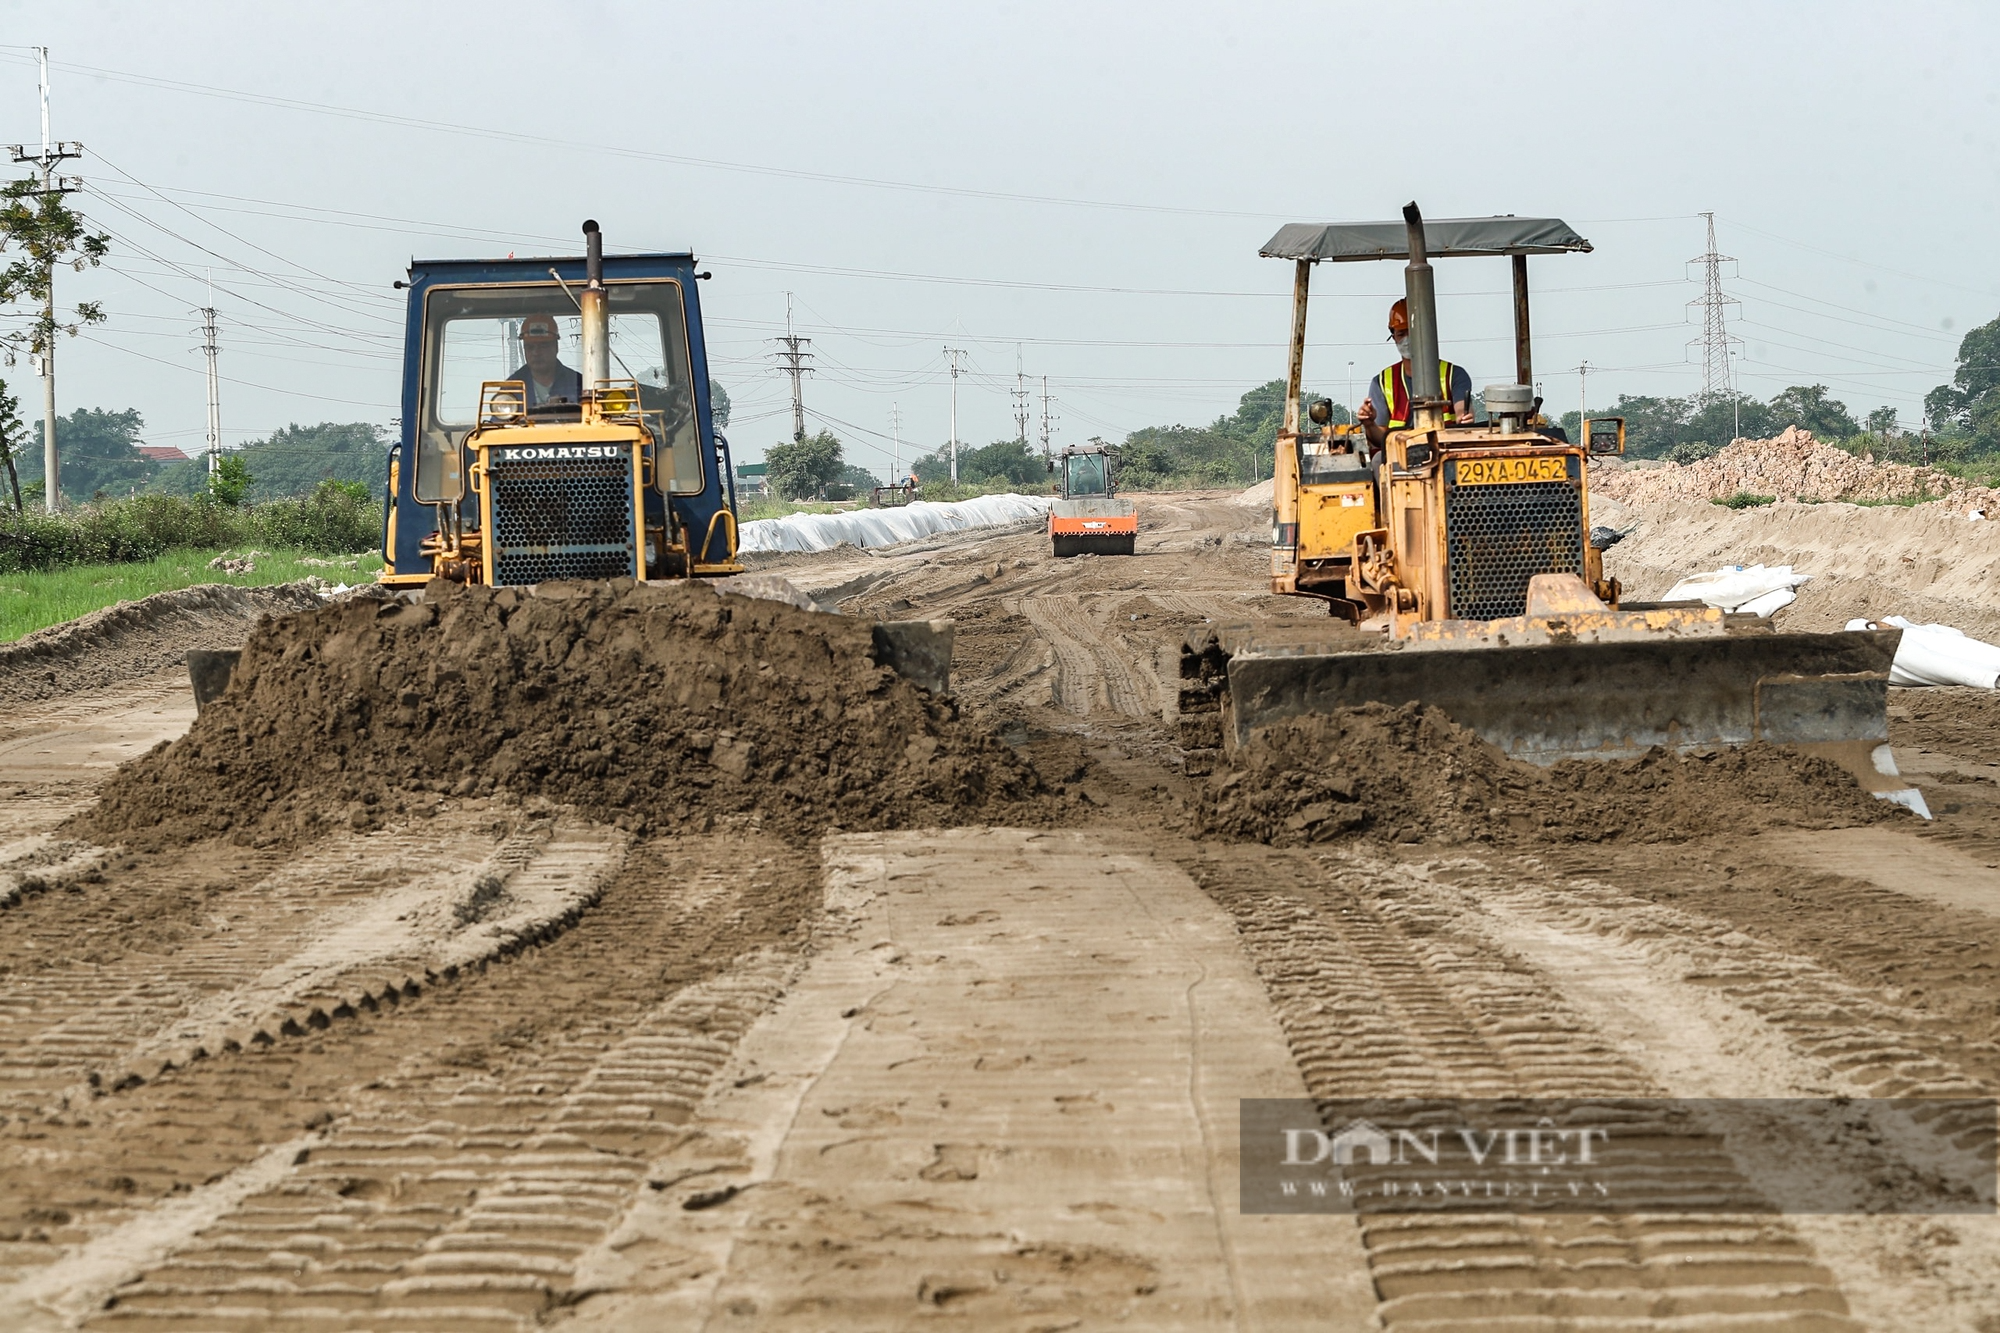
x: 654, y: 707
x: 1794, y: 466
x: 1410, y: 774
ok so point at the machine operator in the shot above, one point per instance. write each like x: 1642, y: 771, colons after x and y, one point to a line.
x: 1387, y: 406
x: 547, y: 378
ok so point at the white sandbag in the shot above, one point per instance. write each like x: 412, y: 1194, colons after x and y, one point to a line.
x: 1938, y: 655
x: 1775, y: 600
x: 1735, y: 587
x: 886, y: 527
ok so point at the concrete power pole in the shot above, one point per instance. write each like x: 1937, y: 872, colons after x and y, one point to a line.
x: 793, y: 362
x: 209, y: 347
x: 1020, y: 394
x: 1715, y: 340
x: 896, y: 442
x: 51, y: 155
x: 1582, y: 393
x: 1045, y: 416
x: 954, y: 353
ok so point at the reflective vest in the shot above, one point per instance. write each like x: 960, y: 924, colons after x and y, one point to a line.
x: 1397, y: 394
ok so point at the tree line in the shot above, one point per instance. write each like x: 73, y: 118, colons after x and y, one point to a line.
x: 100, y: 451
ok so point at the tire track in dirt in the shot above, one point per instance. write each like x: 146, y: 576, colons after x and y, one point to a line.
x: 510, y: 1040
x: 1384, y: 992
x: 1085, y: 661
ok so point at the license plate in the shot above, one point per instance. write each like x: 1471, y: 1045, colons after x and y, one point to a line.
x: 1508, y: 471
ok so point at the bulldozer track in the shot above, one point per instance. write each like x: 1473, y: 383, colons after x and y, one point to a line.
x: 478, y: 1204
x: 515, y: 1038
x: 76, y: 1023
x: 1384, y: 992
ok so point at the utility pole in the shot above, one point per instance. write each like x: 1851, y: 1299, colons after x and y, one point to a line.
x: 1353, y: 408
x: 1714, y: 305
x: 1020, y: 393
x: 793, y: 362
x: 51, y: 155
x: 954, y: 353
x: 896, y: 442
x: 208, y: 345
x: 1045, y: 416
x: 1582, y: 393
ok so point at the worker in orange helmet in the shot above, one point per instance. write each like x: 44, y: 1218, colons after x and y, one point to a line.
x: 1387, y: 406
x: 547, y: 378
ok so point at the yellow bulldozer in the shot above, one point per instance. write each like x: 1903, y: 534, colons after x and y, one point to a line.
x: 1468, y: 545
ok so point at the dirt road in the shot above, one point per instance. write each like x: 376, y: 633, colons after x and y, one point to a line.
x: 485, y: 1063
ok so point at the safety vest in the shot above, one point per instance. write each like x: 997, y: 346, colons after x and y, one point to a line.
x: 1397, y: 394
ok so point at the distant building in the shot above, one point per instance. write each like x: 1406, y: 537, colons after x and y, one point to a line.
x: 753, y: 478
x: 162, y: 453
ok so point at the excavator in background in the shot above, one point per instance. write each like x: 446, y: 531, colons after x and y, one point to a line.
x: 1087, y: 518
x: 616, y: 471
x: 1467, y: 544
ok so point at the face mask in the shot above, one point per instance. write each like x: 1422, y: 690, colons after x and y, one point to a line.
x: 1403, y: 347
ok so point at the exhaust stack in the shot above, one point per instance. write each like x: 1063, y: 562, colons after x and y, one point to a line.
x: 596, y: 316
x: 1420, y: 292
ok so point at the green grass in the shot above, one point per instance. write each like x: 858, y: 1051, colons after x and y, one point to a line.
x: 29, y: 602
x: 1745, y: 500
x: 1901, y: 501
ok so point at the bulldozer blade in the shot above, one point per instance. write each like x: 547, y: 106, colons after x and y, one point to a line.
x: 1548, y: 702
x: 209, y: 671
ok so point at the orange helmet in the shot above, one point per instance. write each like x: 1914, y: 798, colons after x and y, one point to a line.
x: 1399, y: 317
x: 538, y: 328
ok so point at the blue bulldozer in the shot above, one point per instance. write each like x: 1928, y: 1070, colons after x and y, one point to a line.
x: 557, y: 425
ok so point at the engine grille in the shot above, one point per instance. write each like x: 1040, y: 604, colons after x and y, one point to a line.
x: 560, y: 519
x: 1499, y: 537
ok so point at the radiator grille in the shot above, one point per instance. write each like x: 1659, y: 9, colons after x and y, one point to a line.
x: 561, y: 519
x: 1499, y: 537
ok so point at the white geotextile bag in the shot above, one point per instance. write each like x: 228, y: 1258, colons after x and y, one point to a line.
x: 887, y: 527
x: 1938, y: 655
x: 1758, y: 589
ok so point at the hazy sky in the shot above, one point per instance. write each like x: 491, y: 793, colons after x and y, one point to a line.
x: 1082, y: 186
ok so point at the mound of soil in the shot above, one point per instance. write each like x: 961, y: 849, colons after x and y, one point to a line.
x: 1411, y: 774
x: 133, y: 639
x: 1791, y: 466
x: 656, y: 707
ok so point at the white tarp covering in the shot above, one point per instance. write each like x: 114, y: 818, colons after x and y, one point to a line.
x: 1757, y: 589
x: 1938, y: 655
x: 886, y: 527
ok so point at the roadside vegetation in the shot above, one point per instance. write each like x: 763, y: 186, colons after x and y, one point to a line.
x: 334, y: 518
x: 32, y: 601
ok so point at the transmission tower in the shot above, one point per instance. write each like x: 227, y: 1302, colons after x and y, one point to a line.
x: 1715, y: 339
x: 1020, y: 395
x: 51, y: 156
x: 792, y: 360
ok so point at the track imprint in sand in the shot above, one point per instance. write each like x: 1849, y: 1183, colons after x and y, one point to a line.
x: 1386, y: 988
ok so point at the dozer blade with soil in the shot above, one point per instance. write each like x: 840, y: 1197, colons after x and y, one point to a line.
x: 1567, y: 697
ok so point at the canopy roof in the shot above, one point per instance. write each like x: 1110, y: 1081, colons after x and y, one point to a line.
x: 1445, y: 238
